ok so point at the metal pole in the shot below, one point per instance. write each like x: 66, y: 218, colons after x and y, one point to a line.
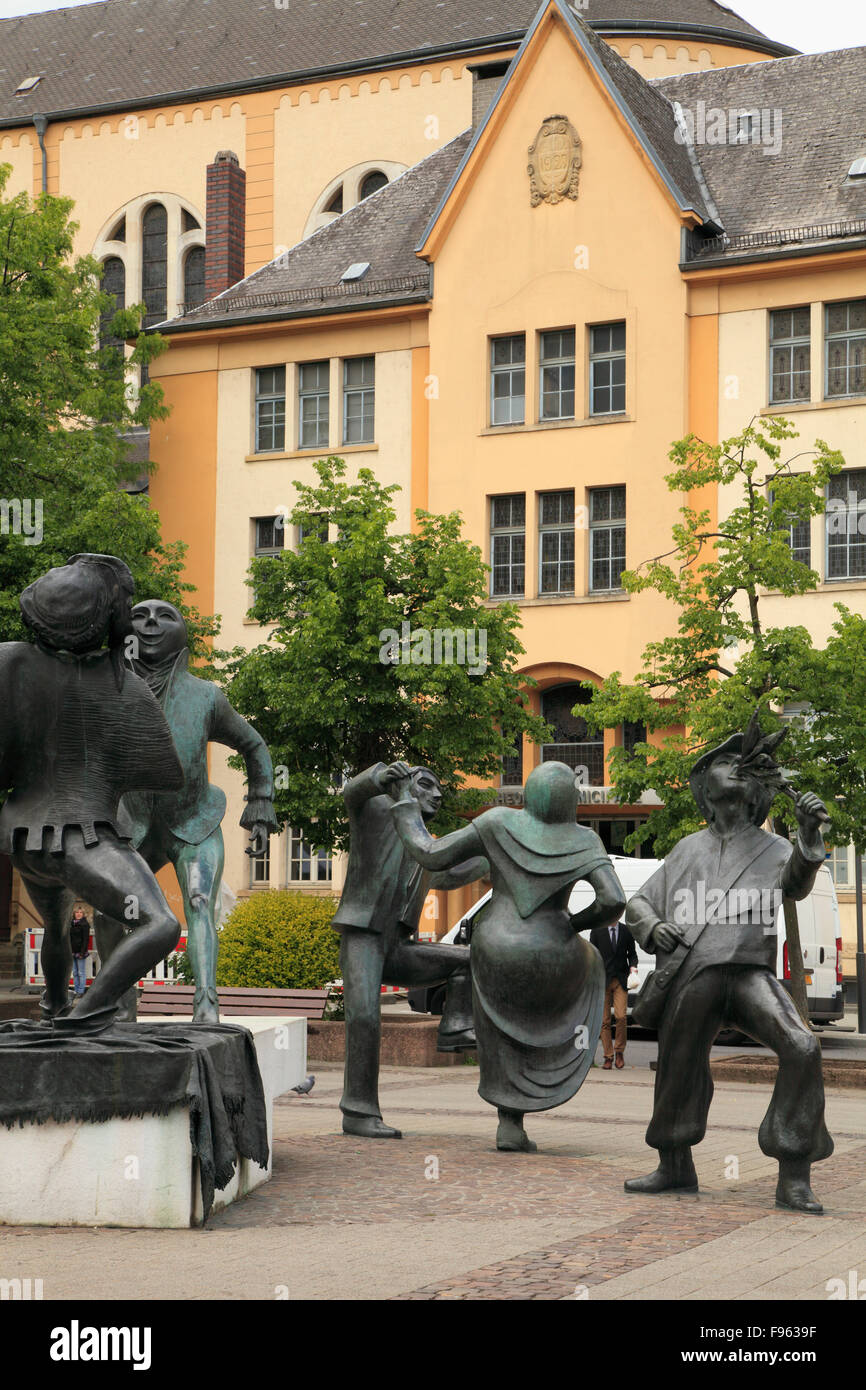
x: 861, y: 954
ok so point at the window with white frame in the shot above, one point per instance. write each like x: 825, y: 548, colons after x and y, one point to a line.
x: 359, y: 400
x: 606, y: 538
x: 508, y: 545
x: 556, y: 542
x: 314, y: 403
x: 305, y: 864
x: 556, y: 368
x: 316, y: 526
x: 845, y: 348
x: 790, y: 354
x: 607, y: 369
x: 845, y: 520
x: 841, y: 866
x: 260, y: 869
x: 270, y: 410
x: 508, y: 380
x: 797, y: 531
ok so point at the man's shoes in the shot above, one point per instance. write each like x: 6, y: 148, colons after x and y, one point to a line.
x: 619, y: 1061
x: 793, y: 1191
x: 607, y: 1064
x: 675, y: 1173
x: 464, y: 1041
x: 369, y: 1127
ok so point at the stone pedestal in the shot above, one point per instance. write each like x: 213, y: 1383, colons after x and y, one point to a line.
x: 138, y: 1171
x: 409, y: 1040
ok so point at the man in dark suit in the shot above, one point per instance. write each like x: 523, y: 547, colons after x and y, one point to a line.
x: 615, y: 945
x: 377, y: 918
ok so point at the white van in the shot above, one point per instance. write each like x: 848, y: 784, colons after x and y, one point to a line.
x: 820, y: 935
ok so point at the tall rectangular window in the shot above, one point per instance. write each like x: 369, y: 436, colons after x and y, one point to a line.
x: 316, y: 525
x: 846, y: 525
x: 556, y: 542
x: 305, y: 864
x: 260, y: 869
x: 606, y: 538
x: 512, y: 766
x: 507, y: 545
x: 556, y: 388
x: 790, y: 354
x: 314, y: 404
x: 359, y: 400
x: 269, y: 536
x: 798, y: 533
x: 508, y: 380
x: 607, y: 369
x: 270, y: 409
x: 845, y: 348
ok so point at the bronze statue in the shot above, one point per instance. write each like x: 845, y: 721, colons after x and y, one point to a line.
x: 378, y: 921
x: 79, y: 731
x: 537, y: 986
x: 709, y: 913
x: 182, y: 827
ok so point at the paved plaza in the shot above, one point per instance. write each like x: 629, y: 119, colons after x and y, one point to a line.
x: 442, y: 1215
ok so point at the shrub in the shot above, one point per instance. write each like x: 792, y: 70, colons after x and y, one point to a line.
x: 279, y: 940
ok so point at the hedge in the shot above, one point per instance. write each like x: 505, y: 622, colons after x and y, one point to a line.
x: 279, y: 940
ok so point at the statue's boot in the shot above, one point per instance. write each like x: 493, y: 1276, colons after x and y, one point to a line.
x: 128, y: 1009
x: 456, y: 1028
x: 72, y: 1024
x: 511, y: 1137
x: 206, y: 1006
x: 51, y: 1008
x: 369, y: 1127
x: 793, y: 1190
x: 675, y: 1173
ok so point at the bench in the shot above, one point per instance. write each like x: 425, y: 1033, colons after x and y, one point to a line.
x: 178, y: 999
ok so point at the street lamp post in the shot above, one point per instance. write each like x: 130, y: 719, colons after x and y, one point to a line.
x: 861, y: 954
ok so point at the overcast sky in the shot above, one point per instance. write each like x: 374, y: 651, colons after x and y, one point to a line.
x: 804, y: 24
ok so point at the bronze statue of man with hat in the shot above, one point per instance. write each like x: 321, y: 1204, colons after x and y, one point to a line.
x: 710, y: 914
x: 79, y: 731
x: 183, y: 827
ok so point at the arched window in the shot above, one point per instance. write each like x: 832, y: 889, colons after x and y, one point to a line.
x: 114, y: 283
x: 572, y: 742
x: 372, y: 183
x: 193, y: 278
x: 154, y: 263
x: 336, y: 203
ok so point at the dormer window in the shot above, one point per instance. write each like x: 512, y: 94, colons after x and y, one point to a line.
x: 858, y: 170
x: 748, y: 128
x: 27, y: 85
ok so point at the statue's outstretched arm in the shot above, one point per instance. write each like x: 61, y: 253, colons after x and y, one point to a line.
x: 447, y: 853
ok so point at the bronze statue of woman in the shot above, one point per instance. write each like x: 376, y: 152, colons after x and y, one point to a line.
x: 537, y: 985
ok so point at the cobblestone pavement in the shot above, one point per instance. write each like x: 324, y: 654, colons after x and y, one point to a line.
x: 441, y: 1215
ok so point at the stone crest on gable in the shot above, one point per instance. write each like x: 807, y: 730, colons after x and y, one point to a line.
x: 554, y: 162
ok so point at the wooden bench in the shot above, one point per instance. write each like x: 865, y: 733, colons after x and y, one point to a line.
x: 178, y: 999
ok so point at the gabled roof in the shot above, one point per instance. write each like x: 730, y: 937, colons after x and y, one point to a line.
x: 814, y: 124
x: 119, y: 54
x: 381, y: 231
x: 650, y: 117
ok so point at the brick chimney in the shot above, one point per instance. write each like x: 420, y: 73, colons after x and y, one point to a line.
x: 225, y: 225
x: 486, y: 81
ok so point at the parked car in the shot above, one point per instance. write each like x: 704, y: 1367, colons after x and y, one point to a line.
x: 820, y: 938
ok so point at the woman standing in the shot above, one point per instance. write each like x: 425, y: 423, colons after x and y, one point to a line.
x: 537, y: 986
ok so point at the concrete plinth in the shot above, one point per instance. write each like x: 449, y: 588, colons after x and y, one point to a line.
x: 138, y: 1171
x: 409, y: 1040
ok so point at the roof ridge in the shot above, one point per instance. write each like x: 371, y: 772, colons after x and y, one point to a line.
x: 761, y: 65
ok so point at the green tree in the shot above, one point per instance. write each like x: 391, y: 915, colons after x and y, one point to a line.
x: 703, y: 682
x: 65, y: 406
x: 324, y: 691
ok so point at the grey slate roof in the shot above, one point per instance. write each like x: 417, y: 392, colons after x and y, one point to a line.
x: 120, y: 53
x: 817, y: 103
x: 383, y: 230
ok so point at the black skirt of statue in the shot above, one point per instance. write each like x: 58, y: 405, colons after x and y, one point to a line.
x: 538, y: 998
